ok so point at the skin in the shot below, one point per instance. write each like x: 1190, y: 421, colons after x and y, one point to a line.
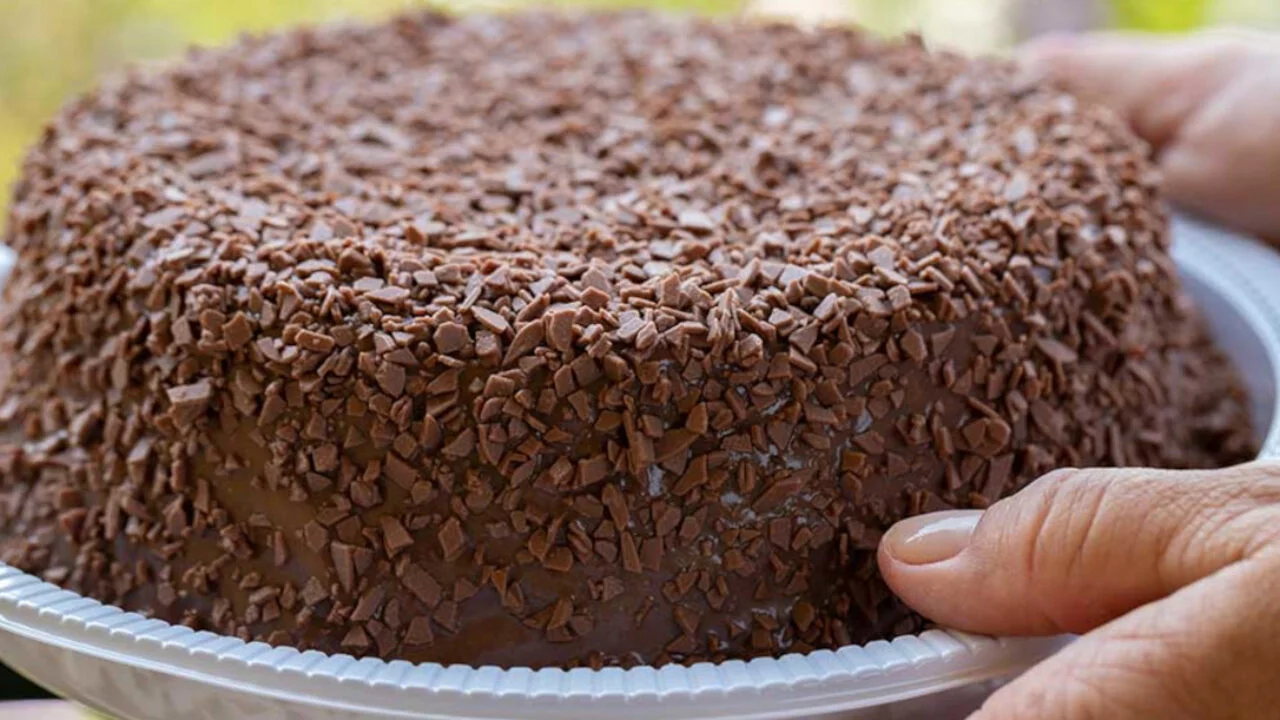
x: 1208, y: 104
x: 1172, y: 577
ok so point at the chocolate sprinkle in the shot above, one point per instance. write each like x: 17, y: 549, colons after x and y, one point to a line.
x: 556, y: 341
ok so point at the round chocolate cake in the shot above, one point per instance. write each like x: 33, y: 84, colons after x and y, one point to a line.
x: 552, y: 341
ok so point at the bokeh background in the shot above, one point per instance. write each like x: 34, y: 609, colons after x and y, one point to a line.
x: 53, y: 49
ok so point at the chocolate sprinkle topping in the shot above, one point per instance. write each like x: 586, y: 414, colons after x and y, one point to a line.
x: 553, y: 341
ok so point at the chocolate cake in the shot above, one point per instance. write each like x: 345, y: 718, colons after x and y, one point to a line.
x: 550, y: 341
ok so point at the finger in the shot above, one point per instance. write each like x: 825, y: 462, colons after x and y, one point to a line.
x: 1207, y: 651
x: 1077, y: 548
x: 1223, y: 163
x: 1208, y: 104
x: 1155, y: 83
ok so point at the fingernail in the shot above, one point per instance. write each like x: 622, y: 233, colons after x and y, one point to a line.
x: 931, y: 538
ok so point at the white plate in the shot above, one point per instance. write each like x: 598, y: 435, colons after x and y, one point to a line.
x: 138, y: 669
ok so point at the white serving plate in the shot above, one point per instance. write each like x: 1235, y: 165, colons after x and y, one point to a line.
x: 132, y: 668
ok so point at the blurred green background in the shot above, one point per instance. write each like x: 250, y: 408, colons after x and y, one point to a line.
x: 51, y: 49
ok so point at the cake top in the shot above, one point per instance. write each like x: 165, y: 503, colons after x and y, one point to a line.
x: 642, y: 167
x: 529, y: 325
x: 643, y: 181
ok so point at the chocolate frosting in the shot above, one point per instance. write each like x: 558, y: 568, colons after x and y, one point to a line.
x: 547, y: 341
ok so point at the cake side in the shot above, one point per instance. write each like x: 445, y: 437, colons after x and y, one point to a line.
x: 542, y: 340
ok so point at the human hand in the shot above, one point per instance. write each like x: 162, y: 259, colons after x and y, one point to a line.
x: 1172, y: 576
x: 1209, y: 105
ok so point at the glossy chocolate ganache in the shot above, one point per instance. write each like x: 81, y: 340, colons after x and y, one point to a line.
x: 551, y: 341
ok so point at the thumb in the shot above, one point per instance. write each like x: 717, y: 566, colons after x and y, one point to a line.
x: 1208, y: 651
x: 1078, y: 548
